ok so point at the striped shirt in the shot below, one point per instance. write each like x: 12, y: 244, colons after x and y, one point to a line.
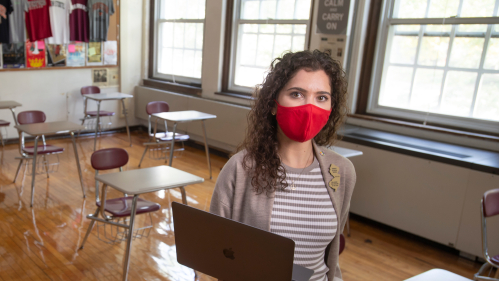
x: 307, y: 216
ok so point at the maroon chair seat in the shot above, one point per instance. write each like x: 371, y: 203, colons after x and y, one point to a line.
x: 43, y: 149
x: 122, y: 207
x: 101, y: 113
x: 169, y: 135
x: 4, y: 123
x: 495, y: 259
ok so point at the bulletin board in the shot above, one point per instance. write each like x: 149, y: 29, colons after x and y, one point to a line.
x: 75, y: 55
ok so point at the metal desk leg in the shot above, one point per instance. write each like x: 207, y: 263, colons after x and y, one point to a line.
x: 184, y: 196
x: 14, y: 115
x: 97, y: 124
x: 173, y: 143
x: 34, y: 171
x: 126, y: 264
x: 206, y: 148
x: 78, y: 163
x: 126, y: 121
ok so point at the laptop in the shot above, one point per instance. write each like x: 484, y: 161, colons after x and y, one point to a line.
x: 230, y: 250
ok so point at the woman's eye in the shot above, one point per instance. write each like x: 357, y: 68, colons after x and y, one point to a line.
x: 323, y: 98
x: 295, y: 94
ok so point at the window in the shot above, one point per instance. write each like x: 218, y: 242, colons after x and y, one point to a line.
x: 438, y: 61
x: 178, y: 40
x: 263, y: 30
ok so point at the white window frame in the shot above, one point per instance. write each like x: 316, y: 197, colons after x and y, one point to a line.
x: 386, y: 21
x: 157, y: 39
x: 235, y: 51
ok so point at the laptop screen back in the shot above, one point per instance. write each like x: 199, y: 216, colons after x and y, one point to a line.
x: 229, y: 250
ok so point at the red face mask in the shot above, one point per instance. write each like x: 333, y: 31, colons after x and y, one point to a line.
x: 301, y: 123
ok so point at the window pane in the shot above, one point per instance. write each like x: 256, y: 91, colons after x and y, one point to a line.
x: 180, y: 49
x: 466, y: 28
x: 275, y: 9
x: 410, y: 8
x: 458, y: 93
x: 259, y: 45
x: 403, y: 46
x: 487, y: 101
x: 477, y: 8
x: 426, y: 89
x: 466, y: 52
x: 396, y: 87
x: 185, y: 9
x: 492, y: 57
x: 433, y: 51
x: 443, y: 9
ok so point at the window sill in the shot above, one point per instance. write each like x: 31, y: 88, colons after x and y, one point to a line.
x: 476, y: 135
x: 236, y: 95
x: 173, y: 87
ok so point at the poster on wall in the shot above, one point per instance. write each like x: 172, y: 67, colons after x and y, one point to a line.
x: 94, y: 53
x: 76, y: 54
x: 56, y: 55
x: 99, y: 77
x: 111, y: 53
x: 112, y: 76
x: 13, y: 55
x: 335, y: 46
x: 333, y: 16
x: 35, y: 54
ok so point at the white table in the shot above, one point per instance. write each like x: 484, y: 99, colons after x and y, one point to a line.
x: 181, y: 117
x: 346, y: 152
x: 10, y: 105
x: 136, y: 182
x: 109, y: 96
x: 438, y: 275
x: 49, y: 128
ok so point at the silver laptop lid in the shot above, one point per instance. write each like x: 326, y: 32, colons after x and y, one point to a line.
x: 230, y: 250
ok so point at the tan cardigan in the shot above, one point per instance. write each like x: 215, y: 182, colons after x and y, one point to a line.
x: 234, y: 198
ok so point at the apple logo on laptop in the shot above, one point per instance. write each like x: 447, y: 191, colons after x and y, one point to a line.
x: 228, y: 253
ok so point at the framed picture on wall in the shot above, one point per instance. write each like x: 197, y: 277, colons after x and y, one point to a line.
x: 100, y: 77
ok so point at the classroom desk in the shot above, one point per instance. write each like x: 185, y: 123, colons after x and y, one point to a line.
x: 8, y: 104
x: 346, y: 152
x: 181, y: 117
x: 136, y: 182
x: 50, y: 128
x: 438, y: 275
x: 109, y: 96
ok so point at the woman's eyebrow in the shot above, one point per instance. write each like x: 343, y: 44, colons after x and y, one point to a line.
x: 303, y: 90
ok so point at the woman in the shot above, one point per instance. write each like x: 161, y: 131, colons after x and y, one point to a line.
x: 284, y: 179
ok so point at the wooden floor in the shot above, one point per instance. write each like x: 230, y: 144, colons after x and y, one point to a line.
x: 41, y: 243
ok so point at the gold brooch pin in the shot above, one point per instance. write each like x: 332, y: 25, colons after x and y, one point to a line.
x: 334, y: 183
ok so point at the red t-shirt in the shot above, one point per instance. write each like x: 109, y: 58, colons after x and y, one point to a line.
x: 38, y: 19
x: 78, y: 21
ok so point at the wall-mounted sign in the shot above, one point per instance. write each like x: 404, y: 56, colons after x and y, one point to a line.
x: 333, y: 16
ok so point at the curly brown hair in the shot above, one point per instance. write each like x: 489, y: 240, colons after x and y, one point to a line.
x: 261, y: 144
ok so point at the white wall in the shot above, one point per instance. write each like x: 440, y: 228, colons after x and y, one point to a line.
x: 57, y: 92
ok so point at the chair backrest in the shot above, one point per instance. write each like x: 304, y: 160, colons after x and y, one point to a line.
x: 157, y: 107
x: 109, y: 158
x: 31, y: 117
x: 342, y: 243
x: 90, y: 90
x: 491, y: 203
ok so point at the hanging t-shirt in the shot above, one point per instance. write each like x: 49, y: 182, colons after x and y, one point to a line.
x: 78, y: 21
x: 16, y: 21
x: 5, y: 11
x: 59, y: 21
x: 38, y: 19
x: 99, y: 12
